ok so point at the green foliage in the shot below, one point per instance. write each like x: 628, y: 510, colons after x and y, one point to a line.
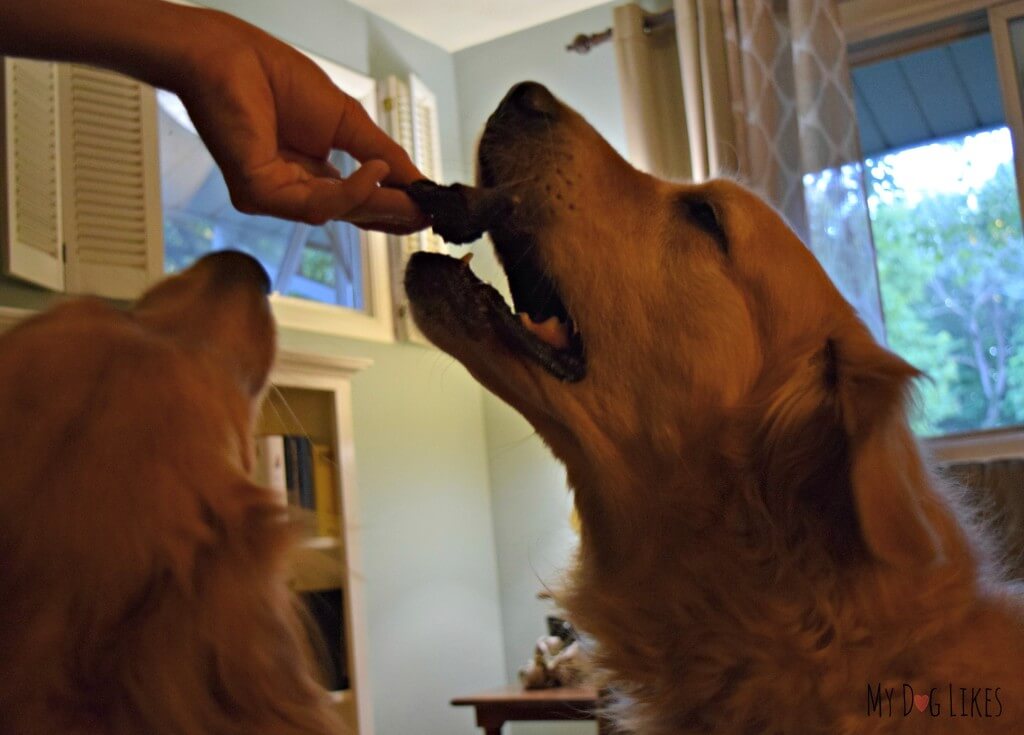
x: 952, y: 282
x: 185, y: 240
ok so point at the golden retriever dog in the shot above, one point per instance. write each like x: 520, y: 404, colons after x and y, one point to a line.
x: 763, y: 549
x: 142, y: 574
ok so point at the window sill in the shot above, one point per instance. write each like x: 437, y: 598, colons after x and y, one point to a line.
x: 977, y: 445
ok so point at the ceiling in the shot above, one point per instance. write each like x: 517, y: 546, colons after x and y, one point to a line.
x: 457, y: 24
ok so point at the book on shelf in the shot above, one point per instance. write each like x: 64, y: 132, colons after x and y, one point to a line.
x: 328, y: 512
x: 292, y: 460
x: 327, y: 637
x: 303, y: 472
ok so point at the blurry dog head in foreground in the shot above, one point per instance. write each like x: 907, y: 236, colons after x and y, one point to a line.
x: 143, y: 576
x: 754, y: 506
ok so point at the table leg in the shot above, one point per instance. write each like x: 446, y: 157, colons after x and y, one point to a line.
x: 491, y: 719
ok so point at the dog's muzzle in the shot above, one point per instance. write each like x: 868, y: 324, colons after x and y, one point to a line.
x: 528, y: 111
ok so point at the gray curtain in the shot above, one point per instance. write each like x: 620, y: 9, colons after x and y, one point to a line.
x: 652, y: 102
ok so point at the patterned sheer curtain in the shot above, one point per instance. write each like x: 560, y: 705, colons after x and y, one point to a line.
x: 766, y: 94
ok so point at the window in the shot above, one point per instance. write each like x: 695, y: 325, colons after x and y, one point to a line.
x: 100, y: 169
x: 946, y: 220
x: 323, y: 264
x: 314, y: 270
x: 947, y: 233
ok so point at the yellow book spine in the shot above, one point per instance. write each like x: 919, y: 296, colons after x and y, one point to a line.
x: 328, y: 510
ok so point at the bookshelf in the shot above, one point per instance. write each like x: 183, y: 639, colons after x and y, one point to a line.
x: 311, y: 397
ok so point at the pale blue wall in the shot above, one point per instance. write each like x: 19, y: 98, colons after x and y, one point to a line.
x: 528, y: 489
x: 587, y: 82
x: 335, y: 29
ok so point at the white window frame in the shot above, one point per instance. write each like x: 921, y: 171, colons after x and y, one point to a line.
x: 868, y: 22
x: 1009, y: 82
x: 376, y: 322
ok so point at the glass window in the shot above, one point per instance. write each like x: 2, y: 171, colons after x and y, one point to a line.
x: 947, y: 230
x: 324, y: 264
x: 946, y: 222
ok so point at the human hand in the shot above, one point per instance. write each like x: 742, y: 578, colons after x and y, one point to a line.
x: 270, y: 117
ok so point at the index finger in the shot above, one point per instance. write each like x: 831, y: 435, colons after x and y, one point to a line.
x: 360, y: 136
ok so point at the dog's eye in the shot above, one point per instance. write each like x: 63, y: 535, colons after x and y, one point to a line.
x: 703, y: 214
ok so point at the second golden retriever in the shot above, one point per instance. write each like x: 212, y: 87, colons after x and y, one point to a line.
x: 142, y: 574
x: 763, y: 548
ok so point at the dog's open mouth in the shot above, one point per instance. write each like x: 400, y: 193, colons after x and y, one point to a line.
x: 447, y: 297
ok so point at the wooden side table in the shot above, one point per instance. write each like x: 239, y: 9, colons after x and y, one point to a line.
x: 495, y: 708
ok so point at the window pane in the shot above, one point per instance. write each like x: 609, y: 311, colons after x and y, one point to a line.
x: 325, y: 264
x: 840, y: 238
x: 947, y: 231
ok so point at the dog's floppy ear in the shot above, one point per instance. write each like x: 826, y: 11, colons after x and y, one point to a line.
x: 835, y: 457
x: 888, y: 482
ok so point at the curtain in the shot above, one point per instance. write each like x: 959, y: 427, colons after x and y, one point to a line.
x: 767, y: 98
x: 652, y: 101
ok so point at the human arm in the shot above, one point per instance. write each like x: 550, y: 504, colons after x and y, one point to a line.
x: 268, y: 114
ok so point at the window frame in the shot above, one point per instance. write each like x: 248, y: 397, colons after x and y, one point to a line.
x: 999, y: 26
x: 879, y: 29
x: 376, y: 323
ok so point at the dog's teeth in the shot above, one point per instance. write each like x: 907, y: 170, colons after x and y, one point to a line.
x: 551, y: 330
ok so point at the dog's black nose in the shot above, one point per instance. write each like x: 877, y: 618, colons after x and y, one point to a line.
x: 532, y: 99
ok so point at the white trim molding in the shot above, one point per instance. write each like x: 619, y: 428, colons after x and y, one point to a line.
x: 867, y: 20
x: 293, y: 362
x: 978, y: 445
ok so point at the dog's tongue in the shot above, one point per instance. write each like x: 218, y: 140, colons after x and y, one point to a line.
x: 551, y: 330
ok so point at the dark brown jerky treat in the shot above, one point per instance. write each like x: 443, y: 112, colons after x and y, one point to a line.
x: 459, y: 213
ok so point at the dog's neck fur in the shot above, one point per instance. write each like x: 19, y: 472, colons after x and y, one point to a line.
x: 750, y: 617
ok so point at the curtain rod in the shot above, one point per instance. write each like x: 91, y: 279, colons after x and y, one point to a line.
x: 584, y: 41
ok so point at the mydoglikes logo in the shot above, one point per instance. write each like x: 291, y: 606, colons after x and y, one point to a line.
x: 945, y: 701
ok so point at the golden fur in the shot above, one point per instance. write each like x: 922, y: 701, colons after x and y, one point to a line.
x: 762, y: 542
x: 142, y: 573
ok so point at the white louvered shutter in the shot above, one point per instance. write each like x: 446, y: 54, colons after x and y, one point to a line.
x: 410, y: 117
x: 31, y: 177
x: 111, y: 182
x: 426, y: 148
